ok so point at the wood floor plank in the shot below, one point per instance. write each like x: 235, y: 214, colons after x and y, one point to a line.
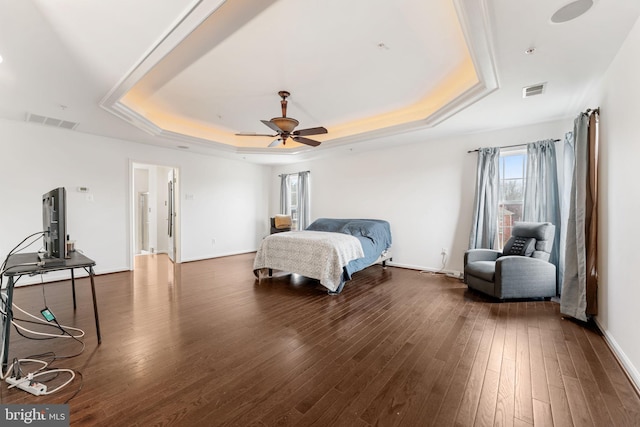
x: 477, y: 376
x: 391, y: 401
x: 539, y: 388
x: 560, y: 410
x: 447, y: 397
x: 426, y: 406
x: 505, y: 402
x: 485, y: 415
x: 523, y: 396
x: 577, y: 403
x: 379, y: 383
x: 204, y: 343
x: 542, y: 414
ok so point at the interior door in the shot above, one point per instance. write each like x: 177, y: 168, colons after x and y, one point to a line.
x: 171, y: 214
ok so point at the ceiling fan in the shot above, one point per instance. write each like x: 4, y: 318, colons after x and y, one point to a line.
x: 284, y: 127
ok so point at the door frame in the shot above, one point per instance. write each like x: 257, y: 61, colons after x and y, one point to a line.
x: 132, y: 200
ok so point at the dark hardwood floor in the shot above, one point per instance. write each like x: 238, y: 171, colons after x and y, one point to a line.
x: 204, y: 344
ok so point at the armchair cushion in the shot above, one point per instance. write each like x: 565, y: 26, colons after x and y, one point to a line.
x: 485, y: 270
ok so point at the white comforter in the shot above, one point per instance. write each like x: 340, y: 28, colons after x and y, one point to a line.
x: 317, y: 254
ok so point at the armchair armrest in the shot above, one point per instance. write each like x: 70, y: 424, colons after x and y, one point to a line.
x: 473, y: 255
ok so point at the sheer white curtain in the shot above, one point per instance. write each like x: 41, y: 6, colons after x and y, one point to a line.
x: 285, y: 196
x: 304, y: 200
x: 485, y: 212
x: 541, y: 196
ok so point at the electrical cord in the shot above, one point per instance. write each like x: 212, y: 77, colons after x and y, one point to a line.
x: 17, y: 248
x: 441, y: 271
x: 15, y: 367
x: 31, y: 376
x: 54, y: 357
x: 44, y: 322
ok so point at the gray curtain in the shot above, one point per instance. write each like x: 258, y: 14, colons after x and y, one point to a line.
x: 485, y: 212
x: 578, y: 298
x: 284, y: 195
x: 541, y: 196
x: 304, y: 201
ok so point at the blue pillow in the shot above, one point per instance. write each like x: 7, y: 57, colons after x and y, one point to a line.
x: 326, y: 224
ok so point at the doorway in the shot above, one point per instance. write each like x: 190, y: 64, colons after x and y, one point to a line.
x: 154, y: 211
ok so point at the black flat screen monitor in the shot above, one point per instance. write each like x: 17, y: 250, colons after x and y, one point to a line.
x: 54, y: 222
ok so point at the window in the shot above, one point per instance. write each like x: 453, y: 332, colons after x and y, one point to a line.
x: 511, y: 200
x: 295, y: 198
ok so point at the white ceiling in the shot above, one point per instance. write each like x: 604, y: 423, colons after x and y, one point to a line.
x: 193, y: 73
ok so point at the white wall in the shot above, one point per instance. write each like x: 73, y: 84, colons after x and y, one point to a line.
x: 619, y: 203
x: 229, y: 201
x: 425, y: 190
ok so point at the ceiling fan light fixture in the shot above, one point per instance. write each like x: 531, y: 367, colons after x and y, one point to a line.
x: 286, y: 124
x: 284, y: 127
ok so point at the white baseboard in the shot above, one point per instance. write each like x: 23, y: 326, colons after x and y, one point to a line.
x: 630, y: 370
x: 217, y: 255
x: 451, y: 273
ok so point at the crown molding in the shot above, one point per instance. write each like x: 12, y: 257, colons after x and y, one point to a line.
x: 474, y: 20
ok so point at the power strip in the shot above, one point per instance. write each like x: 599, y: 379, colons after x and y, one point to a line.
x: 28, y: 385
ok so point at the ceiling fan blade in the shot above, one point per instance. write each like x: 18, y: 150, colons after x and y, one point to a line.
x: 275, y: 143
x: 254, y: 134
x: 272, y: 126
x: 306, y: 141
x: 310, y: 131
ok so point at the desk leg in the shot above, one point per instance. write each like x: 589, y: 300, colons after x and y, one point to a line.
x: 95, y: 304
x: 7, y: 325
x: 73, y: 288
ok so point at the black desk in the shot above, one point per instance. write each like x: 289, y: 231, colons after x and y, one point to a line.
x: 19, y: 265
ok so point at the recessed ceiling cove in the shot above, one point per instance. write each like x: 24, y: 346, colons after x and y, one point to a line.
x: 360, y: 68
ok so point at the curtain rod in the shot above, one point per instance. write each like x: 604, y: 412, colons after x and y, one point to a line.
x: 287, y: 174
x: 507, y: 146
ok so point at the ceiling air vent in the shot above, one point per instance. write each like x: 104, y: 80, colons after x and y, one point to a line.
x: 533, y: 90
x: 49, y: 121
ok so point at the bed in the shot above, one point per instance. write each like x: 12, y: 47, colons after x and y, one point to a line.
x: 329, y: 250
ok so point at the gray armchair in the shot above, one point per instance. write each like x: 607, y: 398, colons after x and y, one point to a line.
x: 522, y: 270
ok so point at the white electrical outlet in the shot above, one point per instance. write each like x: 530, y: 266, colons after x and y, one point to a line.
x: 444, y: 251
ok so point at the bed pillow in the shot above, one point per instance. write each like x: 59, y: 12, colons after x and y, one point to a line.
x: 326, y: 224
x: 373, y: 229
x: 357, y: 228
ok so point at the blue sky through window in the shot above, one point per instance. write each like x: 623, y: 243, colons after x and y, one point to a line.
x: 512, y: 166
